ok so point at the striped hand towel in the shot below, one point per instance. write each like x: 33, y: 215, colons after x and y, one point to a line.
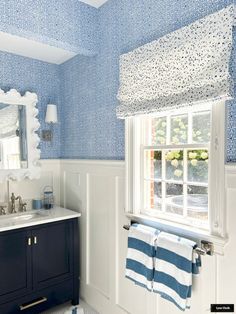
x: 175, y: 264
x: 140, y: 255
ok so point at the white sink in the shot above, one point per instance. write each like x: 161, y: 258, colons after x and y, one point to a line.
x: 22, y: 217
x: 27, y: 216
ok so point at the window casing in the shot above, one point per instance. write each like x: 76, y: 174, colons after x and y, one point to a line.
x: 178, y: 175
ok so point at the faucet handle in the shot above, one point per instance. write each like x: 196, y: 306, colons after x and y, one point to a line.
x: 22, y: 205
x: 2, y: 210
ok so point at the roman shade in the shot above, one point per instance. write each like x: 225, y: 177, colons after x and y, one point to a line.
x: 185, y: 67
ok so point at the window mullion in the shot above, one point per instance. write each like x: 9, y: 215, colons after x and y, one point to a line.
x: 163, y: 183
x: 185, y: 177
x: 168, y: 126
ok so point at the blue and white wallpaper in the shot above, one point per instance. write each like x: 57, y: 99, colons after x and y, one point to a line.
x: 25, y: 74
x: 85, y: 87
x: 67, y: 24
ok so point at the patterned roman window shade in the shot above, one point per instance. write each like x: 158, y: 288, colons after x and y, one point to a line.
x: 188, y: 66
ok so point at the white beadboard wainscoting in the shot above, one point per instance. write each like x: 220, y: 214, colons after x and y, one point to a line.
x: 96, y: 189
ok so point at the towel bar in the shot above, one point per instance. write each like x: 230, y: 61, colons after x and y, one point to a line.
x: 207, y: 248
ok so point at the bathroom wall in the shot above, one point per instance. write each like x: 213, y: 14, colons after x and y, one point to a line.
x: 92, y: 83
x: 89, y: 130
x: 33, y: 189
x: 25, y: 74
x: 96, y: 189
x: 67, y: 24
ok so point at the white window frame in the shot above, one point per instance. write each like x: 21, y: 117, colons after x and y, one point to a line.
x: 216, y: 189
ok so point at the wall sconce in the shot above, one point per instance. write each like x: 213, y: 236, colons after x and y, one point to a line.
x: 51, y: 118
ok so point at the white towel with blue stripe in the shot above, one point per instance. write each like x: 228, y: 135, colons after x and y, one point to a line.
x: 140, y: 255
x: 175, y: 264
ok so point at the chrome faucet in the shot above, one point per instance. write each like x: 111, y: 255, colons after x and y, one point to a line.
x: 13, y: 203
x: 22, y: 205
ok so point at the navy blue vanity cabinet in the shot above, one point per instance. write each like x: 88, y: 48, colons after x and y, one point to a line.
x: 52, y: 254
x: 15, y: 264
x: 39, y: 267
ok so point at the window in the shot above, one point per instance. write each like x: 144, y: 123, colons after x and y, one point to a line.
x: 174, y: 161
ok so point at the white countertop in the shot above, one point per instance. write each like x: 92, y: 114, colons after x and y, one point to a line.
x: 35, y: 217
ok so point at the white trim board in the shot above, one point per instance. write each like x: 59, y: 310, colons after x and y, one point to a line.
x: 99, y: 162
x: 94, y: 3
x: 33, y: 49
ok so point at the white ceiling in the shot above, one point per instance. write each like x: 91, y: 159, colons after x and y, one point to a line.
x: 94, y: 3
x: 32, y: 49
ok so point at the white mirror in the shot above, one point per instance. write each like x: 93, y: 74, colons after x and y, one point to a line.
x: 13, y: 139
x: 19, y: 155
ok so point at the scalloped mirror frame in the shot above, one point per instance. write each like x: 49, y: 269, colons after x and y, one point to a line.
x: 13, y: 97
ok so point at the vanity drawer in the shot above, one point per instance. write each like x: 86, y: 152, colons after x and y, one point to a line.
x: 37, y: 302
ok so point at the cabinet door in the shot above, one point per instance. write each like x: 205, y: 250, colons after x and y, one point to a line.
x: 15, y: 264
x: 52, y: 253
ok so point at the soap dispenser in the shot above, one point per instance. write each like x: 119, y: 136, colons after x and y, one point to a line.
x: 48, y: 198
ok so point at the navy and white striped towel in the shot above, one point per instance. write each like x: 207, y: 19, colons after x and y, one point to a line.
x: 175, y: 264
x: 140, y: 255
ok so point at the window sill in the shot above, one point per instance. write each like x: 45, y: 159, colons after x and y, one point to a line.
x: 182, y: 230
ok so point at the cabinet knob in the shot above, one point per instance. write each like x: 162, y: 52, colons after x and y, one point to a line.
x: 29, y: 241
x: 35, y: 240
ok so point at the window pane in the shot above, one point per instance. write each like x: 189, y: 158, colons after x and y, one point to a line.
x: 174, y: 165
x: 152, y: 194
x: 201, y: 127
x: 174, y: 198
x: 198, y: 165
x: 179, y: 129
x: 158, y: 131
x: 197, y: 202
x: 152, y: 164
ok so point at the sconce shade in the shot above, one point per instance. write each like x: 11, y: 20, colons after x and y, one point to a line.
x: 51, y: 114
